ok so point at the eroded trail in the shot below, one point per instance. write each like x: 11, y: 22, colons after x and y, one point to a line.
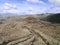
x: 35, y: 38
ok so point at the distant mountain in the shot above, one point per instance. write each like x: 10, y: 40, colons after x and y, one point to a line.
x: 0, y: 16
x: 7, y: 14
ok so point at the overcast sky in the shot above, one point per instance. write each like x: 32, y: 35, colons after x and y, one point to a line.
x: 29, y: 6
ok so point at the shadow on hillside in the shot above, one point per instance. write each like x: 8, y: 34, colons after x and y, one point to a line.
x: 53, y: 18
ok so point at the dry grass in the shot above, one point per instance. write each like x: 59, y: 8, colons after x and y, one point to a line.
x: 14, y: 30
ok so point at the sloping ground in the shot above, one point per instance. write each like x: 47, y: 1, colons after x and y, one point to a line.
x: 29, y: 31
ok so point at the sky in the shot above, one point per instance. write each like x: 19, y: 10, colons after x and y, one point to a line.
x: 29, y: 6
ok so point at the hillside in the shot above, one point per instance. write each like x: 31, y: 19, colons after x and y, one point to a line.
x: 53, y: 18
x: 29, y: 30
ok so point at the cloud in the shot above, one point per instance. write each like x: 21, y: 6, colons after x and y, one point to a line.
x: 53, y: 9
x: 29, y: 8
x: 12, y: 11
x: 36, y: 9
x: 24, y: 8
x: 19, y: 8
x: 55, y: 1
x: 36, y: 1
x: 9, y: 8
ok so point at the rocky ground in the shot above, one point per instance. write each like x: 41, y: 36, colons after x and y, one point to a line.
x: 29, y: 31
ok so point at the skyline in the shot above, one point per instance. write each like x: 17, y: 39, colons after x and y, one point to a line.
x: 29, y: 6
